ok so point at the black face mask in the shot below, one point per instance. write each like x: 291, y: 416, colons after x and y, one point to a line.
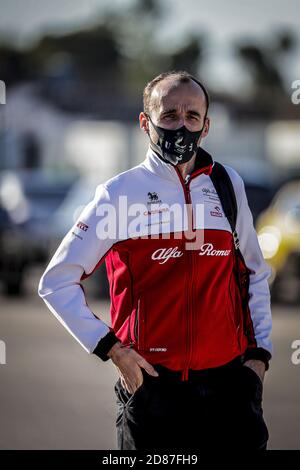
x: 175, y: 146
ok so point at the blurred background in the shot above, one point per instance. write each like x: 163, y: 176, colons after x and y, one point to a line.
x: 72, y: 75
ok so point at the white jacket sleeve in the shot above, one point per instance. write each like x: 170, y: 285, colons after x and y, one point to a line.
x: 78, y: 254
x: 259, y: 292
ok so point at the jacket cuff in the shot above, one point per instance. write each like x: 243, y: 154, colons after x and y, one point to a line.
x: 105, y: 344
x: 257, y: 353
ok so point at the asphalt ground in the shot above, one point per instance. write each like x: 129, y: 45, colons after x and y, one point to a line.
x: 54, y: 395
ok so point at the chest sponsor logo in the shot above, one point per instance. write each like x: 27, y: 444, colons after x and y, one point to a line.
x: 82, y: 226
x: 217, y: 212
x: 164, y: 254
x: 211, y: 194
x: 153, y: 198
x: 208, y: 249
x: 157, y: 211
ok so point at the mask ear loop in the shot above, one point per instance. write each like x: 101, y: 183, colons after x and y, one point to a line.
x: 204, y: 121
x: 149, y: 120
x: 202, y: 128
x: 148, y: 132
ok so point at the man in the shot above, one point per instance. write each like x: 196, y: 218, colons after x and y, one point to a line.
x: 191, y: 357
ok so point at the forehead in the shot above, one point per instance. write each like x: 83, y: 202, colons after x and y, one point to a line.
x: 172, y: 94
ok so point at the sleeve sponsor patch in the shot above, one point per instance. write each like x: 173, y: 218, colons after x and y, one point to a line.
x: 82, y: 226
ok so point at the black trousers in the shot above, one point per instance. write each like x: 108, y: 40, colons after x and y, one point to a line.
x: 215, y: 408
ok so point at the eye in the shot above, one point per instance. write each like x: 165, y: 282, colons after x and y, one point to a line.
x: 170, y: 116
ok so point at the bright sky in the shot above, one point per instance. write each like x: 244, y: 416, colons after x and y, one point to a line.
x: 223, y: 20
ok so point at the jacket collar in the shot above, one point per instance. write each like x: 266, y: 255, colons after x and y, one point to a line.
x: 203, y: 164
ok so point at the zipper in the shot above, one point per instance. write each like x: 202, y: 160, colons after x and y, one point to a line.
x: 190, y: 254
x: 232, y: 317
x: 129, y: 332
x: 134, y: 340
x: 131, y: 340
x: 136, y: 320
x: 187, y: 195
x: 243, y: 284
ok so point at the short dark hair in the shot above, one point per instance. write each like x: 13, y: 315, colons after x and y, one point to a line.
x: 181, y: 76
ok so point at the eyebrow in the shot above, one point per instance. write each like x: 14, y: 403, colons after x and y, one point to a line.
x: 171, y: 111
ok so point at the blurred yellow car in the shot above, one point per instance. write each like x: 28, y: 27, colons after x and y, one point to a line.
x: 278, y: 229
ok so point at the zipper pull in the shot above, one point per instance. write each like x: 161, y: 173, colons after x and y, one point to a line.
x: 187, y: 179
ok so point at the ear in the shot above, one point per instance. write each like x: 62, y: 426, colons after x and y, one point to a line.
x: 144, y: 123
x: 206, y: 127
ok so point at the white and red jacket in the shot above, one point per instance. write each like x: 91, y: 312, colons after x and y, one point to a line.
x: 177, y: 307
